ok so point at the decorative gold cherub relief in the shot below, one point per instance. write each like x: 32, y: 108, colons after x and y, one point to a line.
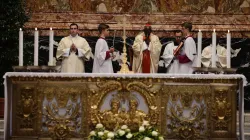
x: 136, y: 117
x: 111, y: 118
x: 118, y: 115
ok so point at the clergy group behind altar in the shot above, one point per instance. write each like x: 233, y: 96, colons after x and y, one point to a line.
x: 74, y: 50
x: 179, y: 56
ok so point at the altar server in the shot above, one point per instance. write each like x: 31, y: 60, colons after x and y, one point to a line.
x: 187, y: 53
x: 103, y: 54
x: 171, y: 63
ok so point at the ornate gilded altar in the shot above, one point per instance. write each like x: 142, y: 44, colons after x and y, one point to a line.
x: 65, y: 106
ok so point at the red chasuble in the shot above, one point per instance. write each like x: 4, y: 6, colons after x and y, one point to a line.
x: 146, y: 61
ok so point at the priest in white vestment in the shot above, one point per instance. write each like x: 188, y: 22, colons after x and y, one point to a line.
x: 103, y: 55
x: 73, y: 50
x: 187, y: 54
x: 146, y: 52
x: 171, y: 63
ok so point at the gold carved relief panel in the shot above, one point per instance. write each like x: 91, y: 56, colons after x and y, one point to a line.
x: 185, y: 111
x: 25, y: 110
x: 64, y: 108
x: 116, y: 103
x: 223, y: 111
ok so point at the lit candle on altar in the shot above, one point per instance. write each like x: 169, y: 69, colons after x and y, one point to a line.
x: 36, y: 48
x: 20, y: 47
x: 199, y: 48
x: 214, y: 49
x: 228, y: 49
x: 51, y: 47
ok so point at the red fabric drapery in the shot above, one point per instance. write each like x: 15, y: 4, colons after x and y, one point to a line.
x: 146, y: 62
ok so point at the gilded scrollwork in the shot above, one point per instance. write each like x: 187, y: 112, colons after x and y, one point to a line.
x: 102, y: 88
x: 65, y: 108
x: 62, y: 97
x: 130, y: 114
x: 27, y: 108
x: 61, y: 112
x: 149, y: 90
x: 186, y: 112
x: 153, y: 116
x: 49, y: 93
x: 221, y: 109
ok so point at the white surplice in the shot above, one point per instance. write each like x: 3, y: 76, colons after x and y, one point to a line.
x: 189, y: 49
x: 72, y: 62
x: 168, y: 57
x: 101, y: 64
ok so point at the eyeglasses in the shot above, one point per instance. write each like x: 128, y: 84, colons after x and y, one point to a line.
x: 178, y: 37
x: 73, y: 28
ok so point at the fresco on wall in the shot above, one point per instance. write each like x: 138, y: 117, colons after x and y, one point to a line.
x: 141, y: 6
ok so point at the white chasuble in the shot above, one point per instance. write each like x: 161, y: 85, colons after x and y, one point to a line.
x: 73, y: 62
x: 154, y: 49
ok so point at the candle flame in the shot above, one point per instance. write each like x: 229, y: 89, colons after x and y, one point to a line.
x: 20, y: 29
x: 36, y: 29
x: 199, y: 30
x: 228, y: 31
x: 214, y: 30
x: 51, y: 28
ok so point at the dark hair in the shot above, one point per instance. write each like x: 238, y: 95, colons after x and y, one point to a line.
x: 187, y: 25
x: 177, y: 31
x: 72, y: 24
x: 102, y: 27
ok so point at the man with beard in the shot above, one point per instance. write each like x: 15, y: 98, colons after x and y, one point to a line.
x: 146, y: 51
x: 171, y: 63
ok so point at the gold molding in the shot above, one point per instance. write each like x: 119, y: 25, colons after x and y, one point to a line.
x: 69, y: 107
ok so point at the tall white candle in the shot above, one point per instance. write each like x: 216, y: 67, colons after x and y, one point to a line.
x: 51, y: 48
x: 199, y: 49
x: 214, y: 49
x: 36, y: 47
x: 20, y: 47
x: 228, y: 49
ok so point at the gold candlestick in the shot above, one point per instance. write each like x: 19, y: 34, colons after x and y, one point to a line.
x: 124, y: 67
